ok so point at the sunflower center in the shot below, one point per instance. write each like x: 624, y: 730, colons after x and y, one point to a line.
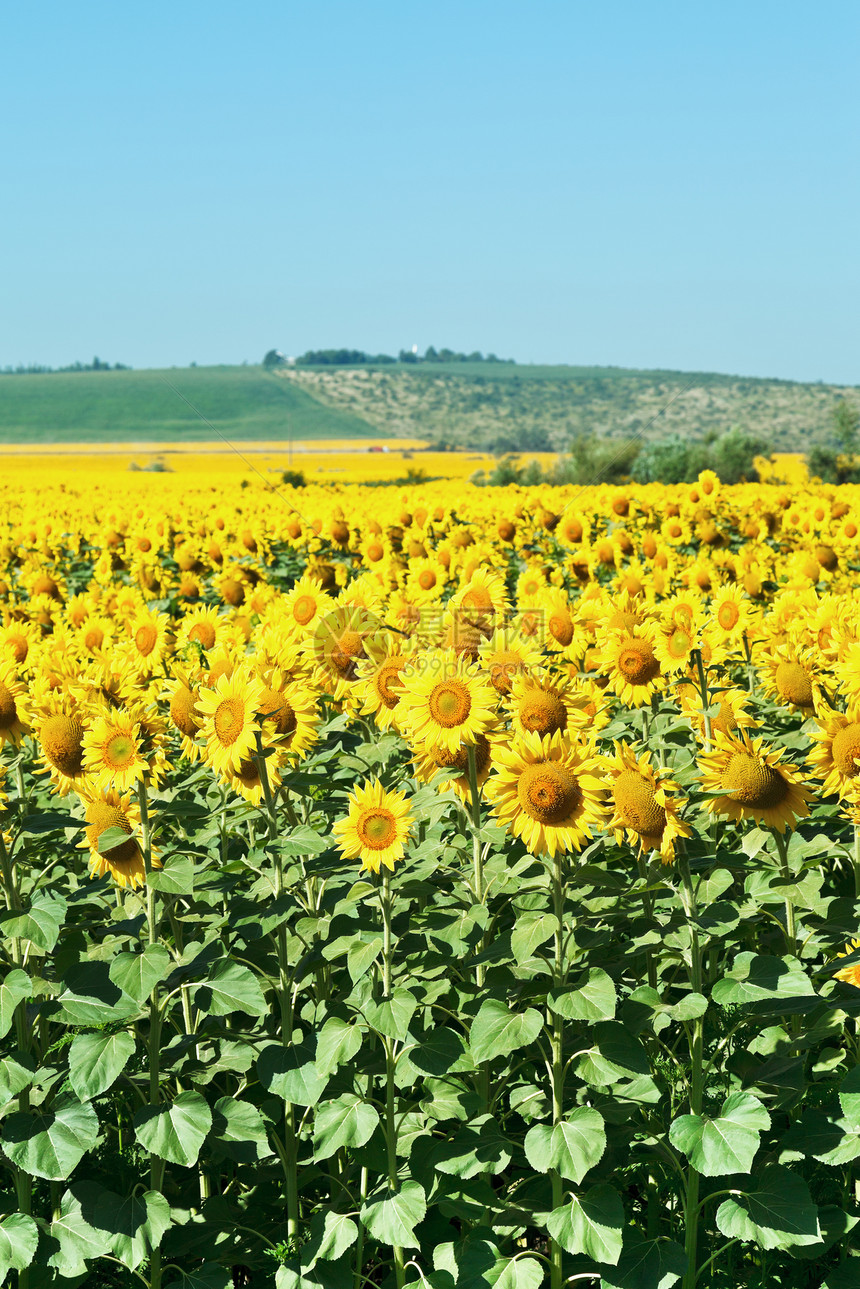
x: 637, y: 663
x: 634, y: 797
x: 726, y: 721
x: 8, y: 710
x: 377, y: 829
x: 229, y: 720
x: 94, y: 638
x: 477, y: 597
x: 752, y: 782
x: 548, y: 793
x: 345, y: 650
x: 450, y: 703
x: 846, y: 750
x: 794, y: 684
x: 182, y: 711
x: 304, y: 609
x: 62, y: 741
x: 561, y: 628
x: 728, y: 615
x: 459, y: 760
x: 145, y: 639
x: 275, y: 707
x: 543, y: 712
x: 101, y: 816
x: 389, y: 683
x: 119, y: 751
x: 427, y: 579
x: 503, y: 666
x: 249, y: 773
x: 679, y: 643
x: 203, y: 633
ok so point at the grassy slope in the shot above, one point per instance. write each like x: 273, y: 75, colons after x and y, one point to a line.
x: 93, y: 407
x: 466, y: 403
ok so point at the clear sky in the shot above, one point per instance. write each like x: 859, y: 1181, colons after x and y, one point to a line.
x: 643, y: 184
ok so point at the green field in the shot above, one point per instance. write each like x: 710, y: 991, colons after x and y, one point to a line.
x: 496, y: 406
x: 140, y: 406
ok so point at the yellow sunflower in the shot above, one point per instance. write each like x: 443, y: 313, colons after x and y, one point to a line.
x: 446, y: 701
x: 675, y: 637
x: 123, y: 861
x: 850, y: 974
x: 246, y: 779
x: 338, y: 644
x: 59, y: 730
x: 451, y: 769
x: 203, y: 628
x: 788, y: 675
x: 732, y: 704
x: 380, y: 680
x: 426, y: 580
x: 505, y: 655
x: 14, y: 720
x: 753, y: 782
x: 547, y: 792
x: 228, y: 716
x: 644, y: 808
x: 289, y: 712
x: 544, y: 704
x: 630, y: 664
x: 182, y: 694
x: 730, y: 612
x: 306, y: 604
x: 376, y: 828
x: 149, y: 641
x: 835, y: 759
x: 113, y: 756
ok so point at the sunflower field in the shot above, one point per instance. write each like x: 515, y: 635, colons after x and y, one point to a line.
x: 447, y: 886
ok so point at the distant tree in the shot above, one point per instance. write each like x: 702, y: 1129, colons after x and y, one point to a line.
x: 274, y: 358
x: 846, y: 425
x: 407, y: 356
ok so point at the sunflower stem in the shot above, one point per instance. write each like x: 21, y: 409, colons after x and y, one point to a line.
x: 557, y: 1043
x: 156, y: 1166
x: 790, y: 922
x: 478, y: 878
x: 390, y: 1064
x: 290, y: 1160
x: 23, y: 1181
x: 703, y: 692
x: 691, y: 1195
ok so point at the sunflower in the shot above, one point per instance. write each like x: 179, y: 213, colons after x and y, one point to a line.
x: 247, y: 781
x: 732, y: 709
x: 835, y: 759
x: 112, y: 748
x: 289, y: 712
x: 643, y: 806
x: 730, y: 612
x: 59, y: 730
x: 563, y: 634
x: 446, y: 701
x: 850, y: 974
x: 201, y: 628
x: 182, y: 694
x: 380, y: 682
x: 228, y: 720
x: 631, y: 666
x: 451, y: 769
x: 675, y: 638
x: 149, y: 641
x: 14, y: 720
x: 124, y: 861
x: 546, y: 791
x: 545, y: 705
x: 505, y: 655
x: 482, y: 598
x: 376, y: 828
x: 426, y: 580
x: 753, y: 783
x: 338, y: 644
x: 788, y: 676
x: 306, y: 604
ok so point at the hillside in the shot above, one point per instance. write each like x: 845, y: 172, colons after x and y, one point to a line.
x: 138, y: 406
x: 475, y: 405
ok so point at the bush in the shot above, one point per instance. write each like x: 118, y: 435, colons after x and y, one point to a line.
x: 671, y: 460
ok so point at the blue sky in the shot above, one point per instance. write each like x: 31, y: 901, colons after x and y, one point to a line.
x: 649, y: 185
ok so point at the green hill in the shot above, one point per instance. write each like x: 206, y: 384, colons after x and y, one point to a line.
x: 140, y: 406
x: 500, y: 406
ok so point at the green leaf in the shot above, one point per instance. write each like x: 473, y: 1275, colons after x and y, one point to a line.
x: 476, y: 1147
x: 530, y: 931
x: 726, y: 1144
x: 755, y: 978
x: 303, y: 841
x: 845, y: 1276
x: 19, y: 1236
x: 570, y: 1147
x: 497, y: 1030
x: 339, y: 1041
x: 111, y: 838
x: 521, y: 1273
x: 615, y: 1055
x: 174, y: 1131
x: 133, y: 1225
x: 329, y: 1236
x: 849, y: 1095
x: 645, y: 1264
x: 14, y: 989
x: 136, y: 974
x: 76, y: 1239
x: 290, y: 1073
x: 593, y: 998
x: 230, y: 988
x: 207, y: 1276
x: 176, y: 878
x: 590, y: 1225
x: 16, y: 1073
x: 438, y: 1051
x: 51, y: 1143
x: 96, y: 1060
x: 362, y: 956
x: 392, y: 1215
x: 239, y: 1131
x: 776, y: 1212
x: 392, y: 1016
x: 346, y: 1121
x: 40, y: 923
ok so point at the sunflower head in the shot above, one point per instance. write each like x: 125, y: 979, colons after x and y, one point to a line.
x: 376, y: 828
